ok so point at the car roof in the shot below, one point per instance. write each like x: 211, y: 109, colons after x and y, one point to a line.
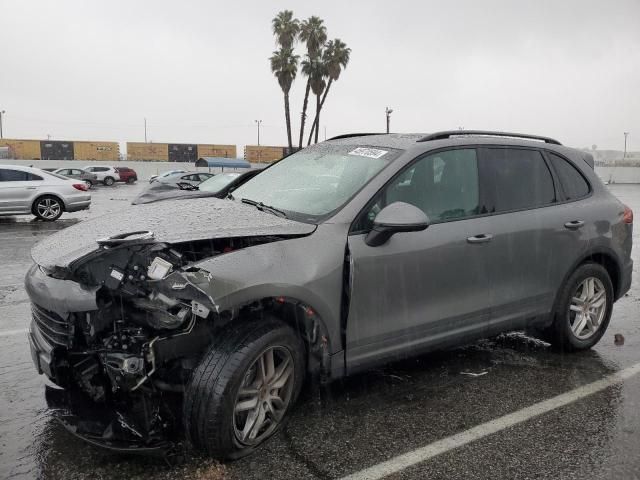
x: 418, y: 143
x: 22, y: 168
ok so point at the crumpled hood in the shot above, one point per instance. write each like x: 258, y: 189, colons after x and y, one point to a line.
x: 171, y: 221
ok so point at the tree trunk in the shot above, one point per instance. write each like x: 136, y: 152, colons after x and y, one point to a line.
x: 304, y: 112
x: 324, y: 97
x: 288, y: 119
x: 317, y: 117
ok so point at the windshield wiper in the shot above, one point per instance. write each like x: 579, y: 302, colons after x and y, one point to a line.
x: 262, y: 207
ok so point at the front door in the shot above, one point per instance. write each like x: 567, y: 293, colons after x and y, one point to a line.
x: 421, y: 289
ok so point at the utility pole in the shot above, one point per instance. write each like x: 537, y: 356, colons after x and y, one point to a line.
x: 145, y: 130
x: 624, y: 155
x: 258, y: 122
x: 2, y: 112
x: 388, y: 111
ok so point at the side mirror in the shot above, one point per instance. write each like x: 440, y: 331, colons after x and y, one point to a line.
x: 395, y: 218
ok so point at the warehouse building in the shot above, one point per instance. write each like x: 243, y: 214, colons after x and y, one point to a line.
x: 177, y: 152
x: 61, y: 150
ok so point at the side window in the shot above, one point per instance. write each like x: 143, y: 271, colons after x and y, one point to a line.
x: 444, y: 185
x: 89, y: 169
x: 516, y: 179
x: 7, y: 175
x: 76, y: 172
x: 33, y: 176
x: 64, y: 172
x: 573, y: 183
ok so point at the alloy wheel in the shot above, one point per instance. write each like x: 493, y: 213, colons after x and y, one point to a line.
x: 48, y: 208
x: 264, y: 395
x: 588, y: 308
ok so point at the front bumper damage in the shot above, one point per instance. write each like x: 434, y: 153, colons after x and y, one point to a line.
x: 120, y: 351
x: 106, y: 428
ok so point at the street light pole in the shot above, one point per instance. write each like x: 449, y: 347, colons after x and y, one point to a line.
x: 258, y: 122
x: 624, y: 155
x: 388, y: 111
x: 2, y: 112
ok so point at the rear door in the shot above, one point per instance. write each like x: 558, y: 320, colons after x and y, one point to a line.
x: 524, y: 225
x: 421, y: 289
x: 17, y: 190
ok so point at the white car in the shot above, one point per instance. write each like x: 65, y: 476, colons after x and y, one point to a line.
x: 106, y: 174
x: 31, y: 191
x: 155, y: 178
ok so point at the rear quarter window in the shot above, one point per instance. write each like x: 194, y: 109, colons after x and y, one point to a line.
x: 516, y: 179
x: 573, y: 183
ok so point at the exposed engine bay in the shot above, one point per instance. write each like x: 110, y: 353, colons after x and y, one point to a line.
x: 130, y: 358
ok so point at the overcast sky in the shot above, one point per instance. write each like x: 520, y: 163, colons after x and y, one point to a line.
x: 199, y: 71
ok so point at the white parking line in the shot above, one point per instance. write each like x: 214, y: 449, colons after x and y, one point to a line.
x: 419, y: 455
x: 9, y: 333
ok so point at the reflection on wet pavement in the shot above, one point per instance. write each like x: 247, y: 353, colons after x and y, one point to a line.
x: 365, y: 419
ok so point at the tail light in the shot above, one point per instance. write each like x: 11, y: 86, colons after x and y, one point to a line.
x: 627, y: 216
x: 80, y: 186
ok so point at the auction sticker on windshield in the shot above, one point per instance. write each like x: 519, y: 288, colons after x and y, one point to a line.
x: 368, y: 152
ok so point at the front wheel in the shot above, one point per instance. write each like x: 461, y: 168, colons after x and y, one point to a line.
x: 108, y: 181
x: 242, y: 390
x: 584, y: 309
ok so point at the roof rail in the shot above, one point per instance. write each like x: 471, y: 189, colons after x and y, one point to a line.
x: 454, y: 133
x: 351, y: 135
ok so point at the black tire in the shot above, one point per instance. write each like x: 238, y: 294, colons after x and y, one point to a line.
x: 47, y: 208
x: 89, y: 184
x: 213, y: 390
x: 131, y: 180
x: 559, y: 333
x: 108, y: 181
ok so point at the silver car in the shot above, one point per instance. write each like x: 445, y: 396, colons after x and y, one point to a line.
x: 88, y: 178
x: 31, y: 191
x: 184, y: 178
x: 343, y: 256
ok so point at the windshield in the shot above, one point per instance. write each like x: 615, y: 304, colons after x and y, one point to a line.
x: 218, y: 182
x: 316, y: 181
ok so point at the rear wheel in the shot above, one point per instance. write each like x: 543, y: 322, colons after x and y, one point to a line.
x: 48, y: 208
x: 108, y: 181
x: 241, y: 392
x: 131, y: 180
x: 89, y: 184
x: 584, y: 309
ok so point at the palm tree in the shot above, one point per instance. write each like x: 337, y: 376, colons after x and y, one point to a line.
x: 335, y: 57
x: 314, y: 34
x: 285, y: 28
x: 284, y: 65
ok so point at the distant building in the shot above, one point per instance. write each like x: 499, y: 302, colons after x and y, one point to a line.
x: 61, y: 150
x: 177, y: 152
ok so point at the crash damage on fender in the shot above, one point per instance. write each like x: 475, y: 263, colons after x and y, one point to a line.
x: 120, y: 322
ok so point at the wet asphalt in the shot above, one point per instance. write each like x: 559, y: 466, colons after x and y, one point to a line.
x: 366, y: 419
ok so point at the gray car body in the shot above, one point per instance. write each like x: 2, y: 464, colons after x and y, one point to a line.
x: 417, y: 292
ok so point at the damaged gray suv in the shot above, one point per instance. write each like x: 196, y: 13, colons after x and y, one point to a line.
x: 202, y: 317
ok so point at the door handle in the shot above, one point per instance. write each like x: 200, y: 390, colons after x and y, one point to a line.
x: 31, y: 188
x: 482, y: 238
x: 574, y: 224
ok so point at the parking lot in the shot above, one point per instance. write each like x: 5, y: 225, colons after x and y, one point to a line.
x: 445, y: 409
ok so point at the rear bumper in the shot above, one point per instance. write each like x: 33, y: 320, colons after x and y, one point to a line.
x: 625, y: 279
x: 76, y: 205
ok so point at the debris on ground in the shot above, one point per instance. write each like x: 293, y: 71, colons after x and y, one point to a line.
x: 618, y: 339
x: 471, y: 374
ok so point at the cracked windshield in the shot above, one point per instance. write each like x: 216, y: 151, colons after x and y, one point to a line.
x: 332, y: 241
